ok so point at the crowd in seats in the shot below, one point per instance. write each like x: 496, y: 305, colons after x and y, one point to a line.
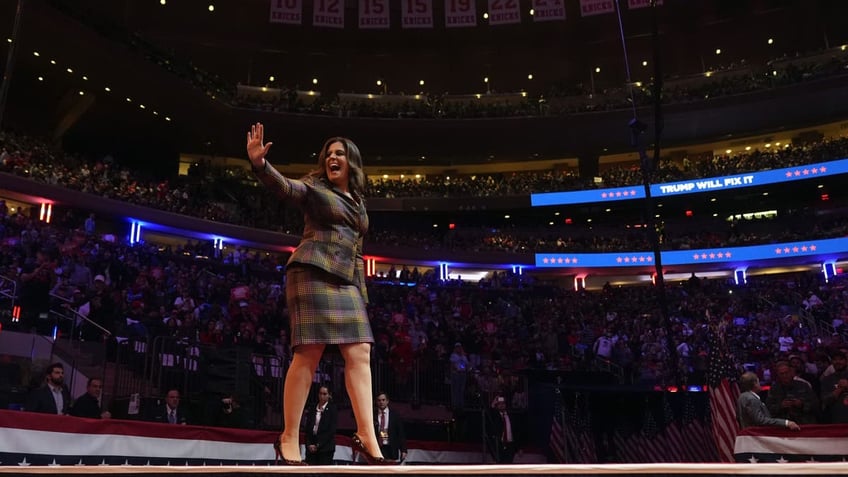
x: 231, y: 196
x: 506, y: 323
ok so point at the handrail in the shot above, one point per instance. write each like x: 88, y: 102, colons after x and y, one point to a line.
x: 80, y: 315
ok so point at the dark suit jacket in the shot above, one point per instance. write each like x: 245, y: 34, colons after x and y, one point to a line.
x: 334, y: 225
x: 86, y: 406
x: 160, y: 414
x: 397, y: 434
x: 325, y: 439
x: 751, y: 411
x: 41, y: 400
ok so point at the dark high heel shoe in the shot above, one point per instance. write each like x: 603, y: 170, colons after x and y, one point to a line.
x: 278, y: 454
x: 358, y: 446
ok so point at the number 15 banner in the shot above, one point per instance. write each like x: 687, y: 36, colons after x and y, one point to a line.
x: 373, y: 14
x: 417, y: 13
x: 504, y: 12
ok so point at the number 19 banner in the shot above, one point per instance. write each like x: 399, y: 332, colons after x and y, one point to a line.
x: 460, y: 13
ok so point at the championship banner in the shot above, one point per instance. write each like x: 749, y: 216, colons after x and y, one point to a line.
x: 287, y: 11
x: 373, y: 14
x: 460, y: 13
x: 504, y: 12
x: 548, y: 10
x: 596, y: 7
x: 634, y: 4
x: 417, y: 13
x: 328, y: 13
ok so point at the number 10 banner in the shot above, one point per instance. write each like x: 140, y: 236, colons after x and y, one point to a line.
x: 287, y: 11
x: 504, y: 12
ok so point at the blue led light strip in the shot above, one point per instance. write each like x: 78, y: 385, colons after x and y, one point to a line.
x: 710, y: 184
x: 829, y: 248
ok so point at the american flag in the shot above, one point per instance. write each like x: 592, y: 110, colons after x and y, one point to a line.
x: 721, y: 378
x: 557, y: 440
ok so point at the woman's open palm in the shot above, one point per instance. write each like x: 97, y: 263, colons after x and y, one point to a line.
x: 256, y: 150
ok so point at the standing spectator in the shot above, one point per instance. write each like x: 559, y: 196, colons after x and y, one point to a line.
x: 321, y: 423
x: 501, y: 433
x: 459, y: 376
x: 390, y: 430
x: 53, y: 396
x: 89, y: 224
x: 791, y: 399
x: 750, y: 410
x: 834, y: 391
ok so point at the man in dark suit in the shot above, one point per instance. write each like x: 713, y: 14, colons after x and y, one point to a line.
x: 88, y: 405
x: 501, y: 432
x: 53, y: 396
x: 390, y: 430
x: 321, y: 422
x: 750, y: 409
x: 171, y: 412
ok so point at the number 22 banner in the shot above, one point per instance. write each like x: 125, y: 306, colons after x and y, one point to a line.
x: 504, y: 12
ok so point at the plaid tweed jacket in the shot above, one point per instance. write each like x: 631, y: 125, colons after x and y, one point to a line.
x: 334, y: 225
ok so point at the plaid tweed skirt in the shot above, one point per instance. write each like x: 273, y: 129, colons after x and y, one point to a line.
x: 324, y: 308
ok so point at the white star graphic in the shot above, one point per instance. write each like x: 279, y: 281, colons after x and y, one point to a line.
x: 53, y: 464
x: 782, y: 460
x: 79, y: 463
x: 24, y: 463
x: 812, y: 459
x: 753, y: 460
x: 103, y: 463
x: 127, y: 462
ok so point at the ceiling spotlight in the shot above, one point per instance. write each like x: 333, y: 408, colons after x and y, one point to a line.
x: 314, y: 80
x: 35, y: 53
x: 271, y: 78
x: 167, y: 118
x: 530, y: 76
x: 107, y: 89
x: 211, y: 8
x: 718, y: 51
x: 420, y: 82
x: 485, y: 15
x: 163, y: 2
x: 40, y: 78
x: 597, y: 69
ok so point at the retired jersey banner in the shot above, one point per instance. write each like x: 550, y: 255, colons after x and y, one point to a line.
x: 417, y: 13
x: 460, y: 13
x: 548, y: 10
x: 328, y: 13
x: 596, y: 7
x: 504, y: 12
x: 287, y: 11
x: 634, y: 4
x: 373, y: 14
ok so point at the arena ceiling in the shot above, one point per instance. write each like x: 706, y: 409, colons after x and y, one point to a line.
x: 236, y: 42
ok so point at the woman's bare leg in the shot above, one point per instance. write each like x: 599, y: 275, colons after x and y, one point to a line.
x: 295, y: 392
x: 357, y: 358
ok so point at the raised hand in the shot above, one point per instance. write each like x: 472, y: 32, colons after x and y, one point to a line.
x: 256, y: 149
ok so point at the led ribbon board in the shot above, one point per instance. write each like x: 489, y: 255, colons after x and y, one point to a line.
x: 830, y: 248
x: 710, y: 184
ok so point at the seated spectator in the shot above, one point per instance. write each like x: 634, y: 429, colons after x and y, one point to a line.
x: 88, y: 405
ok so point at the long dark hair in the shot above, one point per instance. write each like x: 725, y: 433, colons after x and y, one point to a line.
x: 356, y: 180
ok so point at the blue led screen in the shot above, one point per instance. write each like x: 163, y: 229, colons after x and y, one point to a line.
x: 710, y: 184
x: 836, y: 247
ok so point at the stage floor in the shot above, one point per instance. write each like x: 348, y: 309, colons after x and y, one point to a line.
x: 789, y: 469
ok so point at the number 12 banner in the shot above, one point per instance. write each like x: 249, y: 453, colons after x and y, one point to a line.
x: 373, y: 14
x: 504, y: 12
x: 328, y: 13
x: 460, y: 13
